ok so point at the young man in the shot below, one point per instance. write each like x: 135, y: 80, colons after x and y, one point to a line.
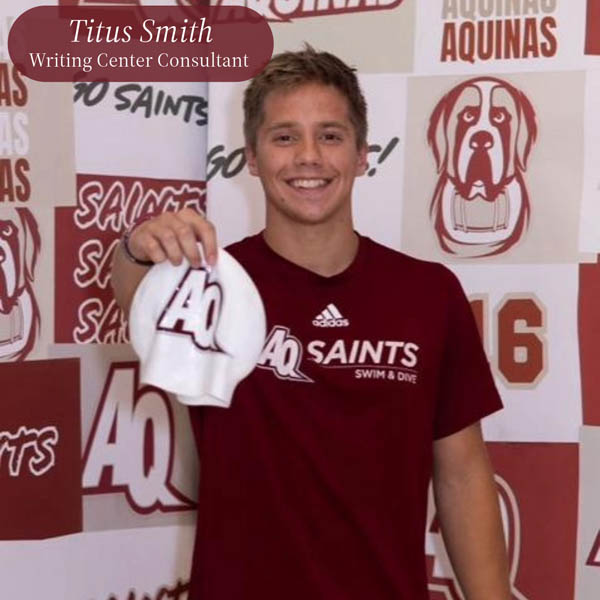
x: 314, y: 482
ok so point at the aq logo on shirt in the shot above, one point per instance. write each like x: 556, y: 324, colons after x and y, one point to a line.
x: 282, y: 354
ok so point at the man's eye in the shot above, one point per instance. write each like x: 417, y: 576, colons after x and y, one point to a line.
x: 332, y: 137
x: 284, y: 138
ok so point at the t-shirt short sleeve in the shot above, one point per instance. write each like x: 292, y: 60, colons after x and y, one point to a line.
x: 466, y: 391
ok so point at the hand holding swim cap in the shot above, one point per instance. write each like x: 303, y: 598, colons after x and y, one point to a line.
x: 198, y: 332
x: 173, y: 237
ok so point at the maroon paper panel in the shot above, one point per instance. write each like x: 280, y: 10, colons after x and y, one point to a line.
x: 40, y: 450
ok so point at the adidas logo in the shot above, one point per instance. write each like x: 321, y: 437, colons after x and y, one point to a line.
x: 330, y: 317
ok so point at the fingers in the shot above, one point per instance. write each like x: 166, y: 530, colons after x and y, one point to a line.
x: 173, y: 236
x: 205, y: 232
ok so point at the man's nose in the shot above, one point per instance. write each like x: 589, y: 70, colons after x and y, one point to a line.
x: 308, y: 152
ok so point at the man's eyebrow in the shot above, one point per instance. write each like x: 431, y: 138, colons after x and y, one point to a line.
x: 336, y: 124
x: 282, y: 125
x: 322, y: 124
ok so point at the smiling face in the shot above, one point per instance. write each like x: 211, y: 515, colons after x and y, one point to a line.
x: 306, y: 156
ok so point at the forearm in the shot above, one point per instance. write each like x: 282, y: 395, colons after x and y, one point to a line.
x: 125, y: 278
x: 468, y: 509
x: 168, y: 236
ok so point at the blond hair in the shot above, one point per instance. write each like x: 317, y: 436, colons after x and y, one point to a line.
x: 291, y: 69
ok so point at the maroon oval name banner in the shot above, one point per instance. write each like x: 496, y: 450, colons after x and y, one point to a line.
x: 160, y: 43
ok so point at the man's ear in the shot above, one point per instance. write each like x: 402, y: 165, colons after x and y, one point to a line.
x: 251, y: 160
x: 361, y: 163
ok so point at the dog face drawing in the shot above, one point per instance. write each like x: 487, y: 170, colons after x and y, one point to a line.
x: 19, y: 313
x: 481, y: 134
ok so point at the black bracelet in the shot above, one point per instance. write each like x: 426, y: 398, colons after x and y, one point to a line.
x: 129, y: 254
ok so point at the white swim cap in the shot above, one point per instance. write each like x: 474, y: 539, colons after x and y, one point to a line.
x: 198, y: 332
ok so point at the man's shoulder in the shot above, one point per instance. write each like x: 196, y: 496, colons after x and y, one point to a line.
x: 244, y: 249
x: 406, y: 265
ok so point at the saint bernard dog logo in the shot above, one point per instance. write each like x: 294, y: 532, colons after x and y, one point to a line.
x: 19, y: 313
x: 194, y: 309
x: 481, y: 134
x: 330, y: 317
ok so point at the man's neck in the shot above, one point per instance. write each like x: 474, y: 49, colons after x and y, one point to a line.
x: 323, y: 249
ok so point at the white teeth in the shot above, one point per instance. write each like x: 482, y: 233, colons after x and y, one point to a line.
x: 308, y: 183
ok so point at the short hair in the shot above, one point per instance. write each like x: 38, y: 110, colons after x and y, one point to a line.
x: 291, y: 69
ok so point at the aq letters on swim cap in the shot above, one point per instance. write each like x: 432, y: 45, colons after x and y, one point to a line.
x: 197, y: 331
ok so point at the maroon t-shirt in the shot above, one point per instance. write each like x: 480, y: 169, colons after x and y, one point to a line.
x: 314, y: 482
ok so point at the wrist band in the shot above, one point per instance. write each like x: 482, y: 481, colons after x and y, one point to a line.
x: 127, y: 250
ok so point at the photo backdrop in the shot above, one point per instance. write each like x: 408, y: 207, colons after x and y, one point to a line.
x: 484, y: 154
